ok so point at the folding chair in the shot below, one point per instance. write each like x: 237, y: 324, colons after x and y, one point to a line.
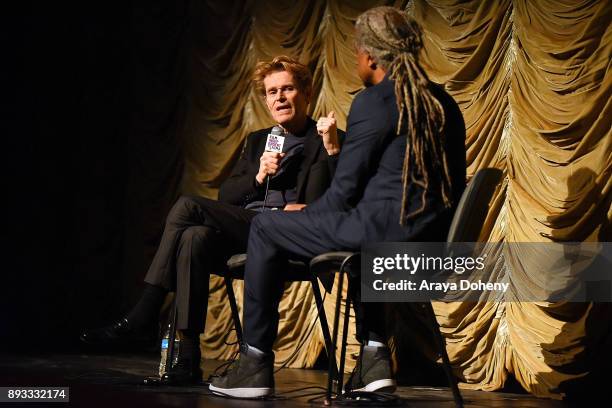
x: 297, y: 272
x: 465, y: 227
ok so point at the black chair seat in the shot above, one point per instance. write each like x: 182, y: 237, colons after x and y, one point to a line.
x: 298, y: 271
x: 322, y: 266
x: 337, y: 257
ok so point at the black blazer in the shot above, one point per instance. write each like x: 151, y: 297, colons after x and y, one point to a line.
x: 314, y: 175
x: 363, y: 202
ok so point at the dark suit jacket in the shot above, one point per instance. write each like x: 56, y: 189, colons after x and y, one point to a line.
x: 363, y: 202
x: 314, y: 175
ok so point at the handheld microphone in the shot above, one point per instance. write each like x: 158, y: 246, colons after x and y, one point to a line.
x: 274, y: 143
x: 275, y: 140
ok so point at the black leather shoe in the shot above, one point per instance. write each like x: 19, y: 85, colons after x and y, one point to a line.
x: 121, y: 335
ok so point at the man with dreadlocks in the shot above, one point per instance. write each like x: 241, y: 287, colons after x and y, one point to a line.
x: 399, y: 177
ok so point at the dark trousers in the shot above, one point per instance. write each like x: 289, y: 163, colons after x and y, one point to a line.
x: 274, y: 238
x: 199, y: 236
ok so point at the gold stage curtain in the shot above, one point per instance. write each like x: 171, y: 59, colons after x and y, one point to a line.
x: 532, y: 79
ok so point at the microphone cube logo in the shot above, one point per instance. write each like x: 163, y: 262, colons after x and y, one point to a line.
x: 275, y: 143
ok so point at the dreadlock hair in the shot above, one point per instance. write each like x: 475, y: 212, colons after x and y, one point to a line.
x: 393, y: 39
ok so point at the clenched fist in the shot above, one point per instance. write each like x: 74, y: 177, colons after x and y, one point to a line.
x: 326, y: 128
x: 269, y: 163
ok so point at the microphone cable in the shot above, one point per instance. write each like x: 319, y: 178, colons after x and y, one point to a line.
x: 265, y: 201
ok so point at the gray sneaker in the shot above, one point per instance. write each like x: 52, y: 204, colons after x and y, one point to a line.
x: 372, y: 372
x: 251, y: 376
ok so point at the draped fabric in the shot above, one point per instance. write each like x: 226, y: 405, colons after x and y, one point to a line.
x: 533, y: 81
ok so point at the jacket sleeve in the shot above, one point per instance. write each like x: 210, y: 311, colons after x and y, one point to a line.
x: 332, y: 161
x: 368, y: 125
x: 241, y: 188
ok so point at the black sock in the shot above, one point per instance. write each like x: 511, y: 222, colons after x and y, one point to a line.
x: 190, y: 346
x: 146, y: 311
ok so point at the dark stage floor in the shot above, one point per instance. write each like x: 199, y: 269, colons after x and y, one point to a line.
x: 97, y: 380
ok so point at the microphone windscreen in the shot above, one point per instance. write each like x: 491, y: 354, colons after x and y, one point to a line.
x: 277, y: 131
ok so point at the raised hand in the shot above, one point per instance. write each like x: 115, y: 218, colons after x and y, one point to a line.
x: 326, y: 128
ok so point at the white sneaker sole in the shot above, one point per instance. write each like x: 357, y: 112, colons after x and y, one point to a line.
x: 386, y: 385
x: 241, y: 392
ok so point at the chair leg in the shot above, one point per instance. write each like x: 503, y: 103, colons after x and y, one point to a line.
x: 234, y: 307
x: 347, y: 313
x: 323, y: 321
x: 332, y: 360
x: 435, y: 328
